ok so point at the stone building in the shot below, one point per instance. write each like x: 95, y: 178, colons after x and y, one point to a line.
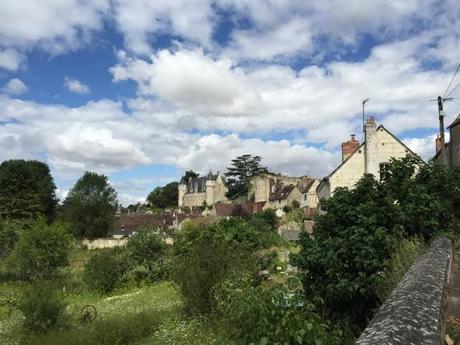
x: 371, y: 157
x: 209, y: 189
x: 452, y: 148
x: 278, y: 191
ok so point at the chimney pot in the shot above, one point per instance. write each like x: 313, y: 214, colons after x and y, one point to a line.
x: 349, y: 147
x: 438, y: 143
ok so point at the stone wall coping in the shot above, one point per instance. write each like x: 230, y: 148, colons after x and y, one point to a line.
x: 414, y: 312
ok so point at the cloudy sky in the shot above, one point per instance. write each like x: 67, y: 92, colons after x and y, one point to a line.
x: 141, y: 90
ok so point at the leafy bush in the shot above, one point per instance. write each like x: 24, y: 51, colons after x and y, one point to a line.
x: 204, y: 257
x: 295, y: 204
x: 123, y: 329
x: 272, y: 316
x: 352, y: 245
x: 41, y: 251
x: 103, y: 271
x: 9, y: 235
x: 42, y: 307
x: 264, y: 221
x: 401, y: 260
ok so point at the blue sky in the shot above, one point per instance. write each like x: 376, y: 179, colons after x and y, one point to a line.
x: 142, y: 90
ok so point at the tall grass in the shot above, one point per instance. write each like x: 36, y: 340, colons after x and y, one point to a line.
x: 401, y: 260
x: 119, y: 330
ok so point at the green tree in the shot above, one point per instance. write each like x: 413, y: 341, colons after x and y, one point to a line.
x: 238, y: 174
x: 41, y: 251
x: 90, y: 206
x: 204, y: 257
x: 27, y: 190
x: 103, y: 271
x: 10, y: 231
x: 164, y: 197
x: 352, y: 246
x: 190, y: 174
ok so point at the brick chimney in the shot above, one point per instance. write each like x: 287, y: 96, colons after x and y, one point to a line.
x: 349, y: 147
x: 438, y: 143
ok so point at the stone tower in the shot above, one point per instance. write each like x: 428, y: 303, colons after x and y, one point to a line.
x: 182, y: 188
x: 210, y: 189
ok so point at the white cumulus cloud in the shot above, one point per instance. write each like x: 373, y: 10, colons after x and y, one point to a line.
x: 75, y: 86
x: 15, y: 87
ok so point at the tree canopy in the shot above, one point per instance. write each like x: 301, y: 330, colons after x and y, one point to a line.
x: 164, y: 197
x: 354, y: 241
x: 27, y: 190
x: 90, y: 206
x: 190, y: 174
x: 238, y: 174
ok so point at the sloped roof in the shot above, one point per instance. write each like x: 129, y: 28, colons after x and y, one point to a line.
x: 455, y: 123
x: 360, y: 146
x: 281, y: 192
x: 305, y: 187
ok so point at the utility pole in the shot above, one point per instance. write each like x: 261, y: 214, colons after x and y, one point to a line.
x: 441, y: 129
x: 364, y: 104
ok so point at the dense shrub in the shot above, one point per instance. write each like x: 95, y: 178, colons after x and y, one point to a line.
x: 352, y: 245
x: 265, y: 221
x: 354, y: 252
x: 9, y: 235
x: 103, y: 271
x: 205, y: 256
x: 271, y: 316
x: 41, y: 251
x: 42, y: 307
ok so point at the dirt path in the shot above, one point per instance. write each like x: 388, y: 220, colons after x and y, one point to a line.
x: 453, y: 300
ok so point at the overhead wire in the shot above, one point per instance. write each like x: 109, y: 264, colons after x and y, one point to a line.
x: 452, y: 80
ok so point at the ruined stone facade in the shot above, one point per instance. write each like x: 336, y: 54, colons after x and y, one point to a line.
x: 278, y: 191
x: 205, y: 190
x: 371, y: 157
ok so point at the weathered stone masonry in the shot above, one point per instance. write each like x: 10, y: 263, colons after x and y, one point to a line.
x: 414, y: 312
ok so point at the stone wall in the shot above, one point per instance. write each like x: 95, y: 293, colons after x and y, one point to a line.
x: 101, y: 243
x: 414, y: 312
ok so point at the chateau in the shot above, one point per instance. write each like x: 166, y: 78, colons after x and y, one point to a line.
x: 199, y: 191
x: 371, y: 157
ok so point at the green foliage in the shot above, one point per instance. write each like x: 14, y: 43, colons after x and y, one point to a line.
x: 42, y: 307
x: 352, y: 245
x: 265, y: 221
x: 27, y: 190
x: 125, y: 329
x: 190, y: 174
x: 358, y: 238
x: 146, y: 256
x: 103, y: 271
x: 295, y: 204
x: 401, y: 259
x: 164, y: 197
x: 90, y: 206
x: 272, y: 316
x: 238, y: 174
x: 295, y: 215
x: 204, y: 257
x: 9, y: 235
x: 41, y: 251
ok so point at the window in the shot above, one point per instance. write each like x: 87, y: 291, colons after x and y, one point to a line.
x: 305, y: 197
x: 383, y: 171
